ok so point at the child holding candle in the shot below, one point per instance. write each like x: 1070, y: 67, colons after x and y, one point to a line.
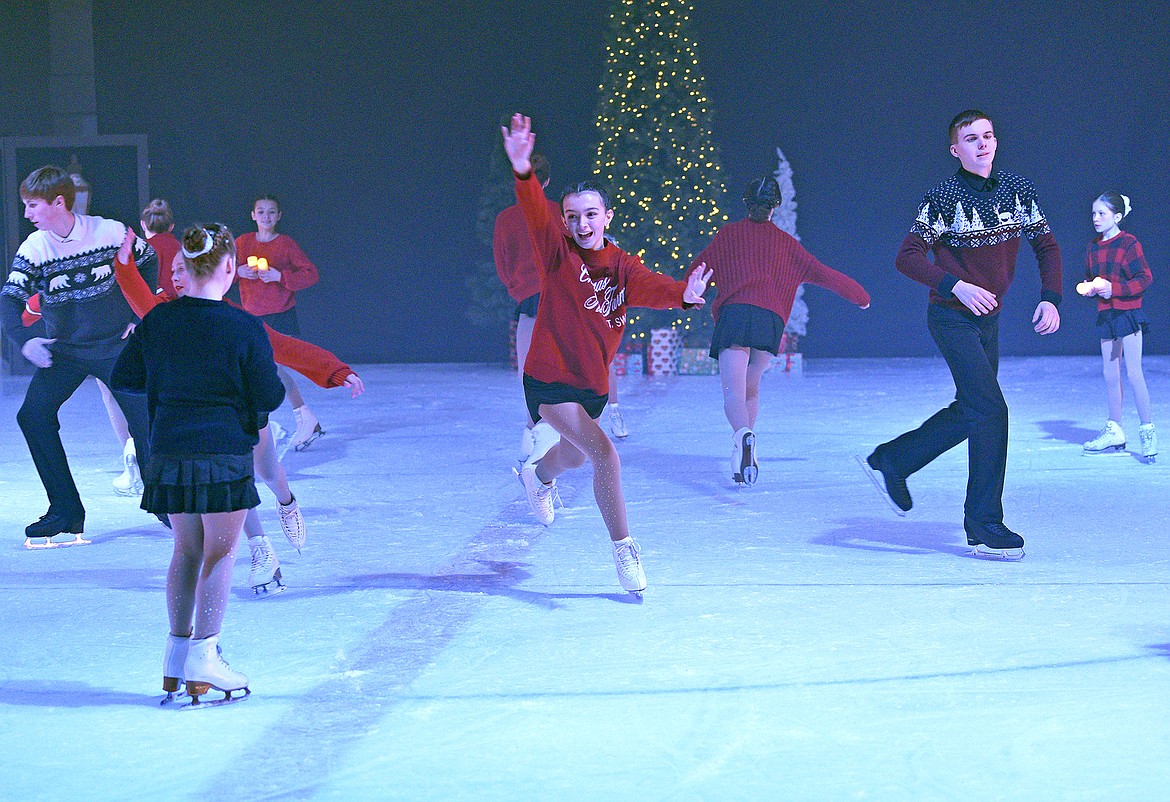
x: 272, y: 268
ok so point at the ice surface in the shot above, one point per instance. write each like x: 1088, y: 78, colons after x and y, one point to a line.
x: 798, y: 640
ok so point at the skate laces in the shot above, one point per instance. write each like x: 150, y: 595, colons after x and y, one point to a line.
x: 261, y: 557
x: 627, y: 555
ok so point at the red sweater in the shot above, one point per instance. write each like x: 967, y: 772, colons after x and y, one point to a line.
x: 1120, y: 260
x: 282, y: 253
x: 758, y: 264
x: 316, y: 364
x: 166, y: 246
x: 583, y: 298
x: 512, y: 247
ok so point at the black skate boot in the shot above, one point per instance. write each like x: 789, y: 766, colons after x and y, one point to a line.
x: 993, y: 540
x: 892, y: 486
x: 45, y: 531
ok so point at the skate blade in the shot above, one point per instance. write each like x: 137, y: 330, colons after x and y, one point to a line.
x: 878, y: 482
x: 1110, y: 451
x: 38, y: 543
x: 1150, y: 460
x: 987, y: 553
x: 263, y: 589
x: 227, y: 699
x: 173, y: 696
x: 317, y: 432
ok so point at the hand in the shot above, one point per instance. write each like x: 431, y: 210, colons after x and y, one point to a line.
x: 697, y: 285
x: 1103, y: 287
x: 243, y: 271
x: 268, y: 276
x: 127, y: 246
x: 36, y: 350
x: 1048, y: 317
x: 129, y: 330
x: 975, y: 298
x: 355, y: 385
x: 518, y: 143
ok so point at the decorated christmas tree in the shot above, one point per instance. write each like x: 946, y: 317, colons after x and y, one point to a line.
x: 784, y: 216
x: 655, y: 153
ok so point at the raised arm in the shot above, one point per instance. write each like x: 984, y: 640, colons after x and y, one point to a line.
x: 130, y: 281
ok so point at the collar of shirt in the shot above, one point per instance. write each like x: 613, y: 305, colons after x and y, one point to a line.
x: 977, y: 182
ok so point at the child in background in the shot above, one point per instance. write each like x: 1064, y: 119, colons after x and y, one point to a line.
x: 757, y: 269
x: 268, y: 291
x: 586, y: 285
x: 1117, y: 273
x: 207, y: 371
x: 157, y: 224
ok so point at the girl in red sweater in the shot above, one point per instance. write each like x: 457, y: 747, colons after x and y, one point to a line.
x: 586, y: 284
x: 272, y: 269
x: 1117, y: 273
x: 757, y: 269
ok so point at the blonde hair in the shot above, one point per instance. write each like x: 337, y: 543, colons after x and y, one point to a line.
x: 157, y: 216
x: 205, y: 246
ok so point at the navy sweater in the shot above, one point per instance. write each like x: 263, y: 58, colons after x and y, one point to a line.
x: 206, y: 368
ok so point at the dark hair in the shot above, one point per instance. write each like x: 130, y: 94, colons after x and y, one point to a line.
x: 205, y: 246
x: 157, y: 216
x: 1116, y: 202
x: 540, y: 167
x: 47, y: 183
x: 586, y: 186
x: 272, y: 198
x: 761, y: 197
x: 962, y: 120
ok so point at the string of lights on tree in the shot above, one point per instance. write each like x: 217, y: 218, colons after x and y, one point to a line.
x: 655, y: 152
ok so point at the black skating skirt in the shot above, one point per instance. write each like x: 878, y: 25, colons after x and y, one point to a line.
x: 528, y: 306
x: 198, y: 483
x: 285, y: 322
x: 538, y: 392
x: 1113, y: 324
x: 748, y: 326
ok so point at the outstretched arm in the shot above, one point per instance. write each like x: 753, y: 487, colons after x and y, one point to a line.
x: 130, y: 281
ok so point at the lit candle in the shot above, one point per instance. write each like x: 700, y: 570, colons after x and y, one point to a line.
x: 252, y: 261
x: 261, y: 263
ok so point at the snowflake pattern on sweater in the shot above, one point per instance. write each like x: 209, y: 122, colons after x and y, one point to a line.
x: 961, y: 218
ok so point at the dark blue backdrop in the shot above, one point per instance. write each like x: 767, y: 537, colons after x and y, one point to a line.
x: 375, y: 126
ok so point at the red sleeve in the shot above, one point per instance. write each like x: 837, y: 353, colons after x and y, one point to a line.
x: 135, y: 288
x: 649, y: 289
x: 913, y: 262
x: 1051, y: 272
x: 316, y: 364
x: 502, y: 253
x: 547, y: 234
x: 299, y: 273
x: 1135, y: 273
x: 822, y: 275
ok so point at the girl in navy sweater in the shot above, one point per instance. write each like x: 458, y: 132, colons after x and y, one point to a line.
x: 210, y: 383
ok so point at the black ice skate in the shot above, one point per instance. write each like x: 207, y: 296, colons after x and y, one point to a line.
x: 53, y: 531
x: 889, y: 485
x: 994, y: 541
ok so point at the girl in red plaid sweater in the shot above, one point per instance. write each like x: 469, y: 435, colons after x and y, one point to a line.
x: 1116, y: 273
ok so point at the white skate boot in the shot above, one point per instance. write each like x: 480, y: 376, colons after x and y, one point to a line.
x: 308, y: 428
x: 540, y: 496
x: 1111, y: 440
x: 129, y: 483
x: 629, y: 565
x: 174, y: 659
x: 617, y: 424
x: 1149, y: 440
x: 744, y: 469
x: 544, y: 437
x: 292, y: 523
x: 527, y: 443
x: 206, y: 669
x: 265, y: 567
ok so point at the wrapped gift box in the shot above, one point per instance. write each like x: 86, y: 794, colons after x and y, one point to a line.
x: 697, y: 362
x: 665, y: 345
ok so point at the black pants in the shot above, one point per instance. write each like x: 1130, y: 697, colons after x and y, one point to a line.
x: 48, y: 389
x: 979, y: 414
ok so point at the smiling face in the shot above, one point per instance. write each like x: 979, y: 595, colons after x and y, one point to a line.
x: 586, y: 218
x: 1105, y: 220
x: 974, y: 147
x: 266, y: 213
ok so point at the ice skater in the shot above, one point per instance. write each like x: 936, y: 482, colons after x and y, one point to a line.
x: 316, y: 364
x: 1116, y: 273
x: 973, y: 223
x: 68, y: 260
x: 757, y: 269
x: 268, y: 290
x: 586, y: 285
x: 158, y: 225
x: 207, y: 371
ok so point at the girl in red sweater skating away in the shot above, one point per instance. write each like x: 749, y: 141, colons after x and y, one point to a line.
x: 586, y: 284
x: 757, y: 269
x: 272, y: 269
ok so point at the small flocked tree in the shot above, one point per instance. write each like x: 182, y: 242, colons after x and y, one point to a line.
x: 489, y: 302
x: 784, y: 216
x: 655, y: 153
